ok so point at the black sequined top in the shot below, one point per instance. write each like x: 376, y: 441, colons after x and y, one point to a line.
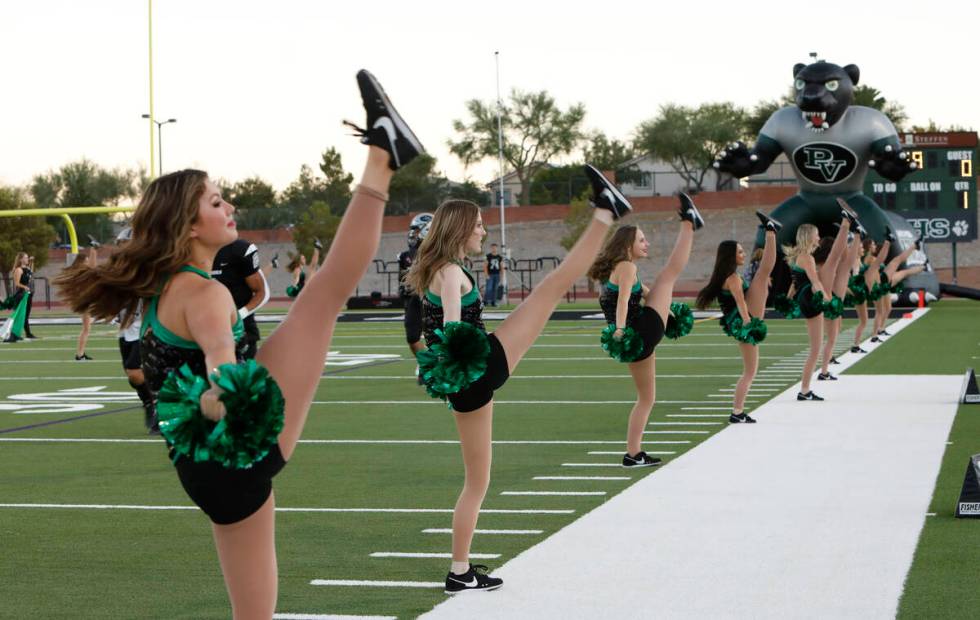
x: 609, y: 299
x: 800, y: 280
x: 726, y: 301
x: 471, y: 311
x: 163, y: 352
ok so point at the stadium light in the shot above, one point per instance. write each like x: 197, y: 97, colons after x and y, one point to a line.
x: 160, y: 125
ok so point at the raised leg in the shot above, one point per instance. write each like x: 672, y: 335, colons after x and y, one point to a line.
x: 759, y: 288
x: 645, y: 378
x: 521, y: 328
x: 295, y: 352
x: 828, y: 271
x: 662, y: 289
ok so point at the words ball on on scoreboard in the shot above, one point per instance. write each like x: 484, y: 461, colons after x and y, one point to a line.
x: 969, y: 504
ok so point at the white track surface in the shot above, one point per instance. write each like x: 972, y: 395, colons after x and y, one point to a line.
x: 814, y: 512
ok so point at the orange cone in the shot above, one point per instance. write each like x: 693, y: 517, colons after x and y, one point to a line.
x: 922, y: 298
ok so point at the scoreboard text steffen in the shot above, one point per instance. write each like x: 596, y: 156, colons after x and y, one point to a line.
x: 945, y: 180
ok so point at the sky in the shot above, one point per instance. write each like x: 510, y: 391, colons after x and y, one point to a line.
x: 261, y: 87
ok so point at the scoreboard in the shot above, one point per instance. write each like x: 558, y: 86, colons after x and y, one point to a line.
x: 940, y: 198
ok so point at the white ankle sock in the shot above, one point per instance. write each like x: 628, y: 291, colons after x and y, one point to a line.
x: 459, y: 568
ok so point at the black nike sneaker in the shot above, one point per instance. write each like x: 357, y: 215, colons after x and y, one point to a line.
x: 275, y: 261
x: 386, y: 128
x: 890, y: 236
x: 741, y: 418
x: 808, y: 396
x: 883, y: 333
x: 317, y: 243
x: 689, y: 212
x: 825, y: 377
x: 642, y: 459
x: 919, y: 239
x: 767, y: 222
x: 876, y: 339
x: 834, y: 360
x: 857, y: 349
x: 605, y: 195
x: 474, y: 580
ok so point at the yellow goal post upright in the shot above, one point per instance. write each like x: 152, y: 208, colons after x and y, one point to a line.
x: 65, y: 214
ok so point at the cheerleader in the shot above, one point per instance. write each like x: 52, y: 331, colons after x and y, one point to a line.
x: 813, y: 286
x: 743, y: 306
x: 465, y: 365
x: 297, y: 267
x: 638, y: 321
x: 858, y: 292
x: 834, y: 311
x: 191, y: 326
x: 890, y: 281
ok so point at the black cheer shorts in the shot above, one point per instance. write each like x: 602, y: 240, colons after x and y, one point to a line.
x: 413, y: 318
x: 130, y: 352
x: 807, y: 307
x: 480, y: 392
x: 651, y: 329
x: 229, y: 495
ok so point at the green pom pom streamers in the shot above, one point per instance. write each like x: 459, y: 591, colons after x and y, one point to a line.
x: 680, y: 322
x: 627, y: 349
x: 787, y: 307
x: 456, y: 361
x: 292, y: 291
x: 752, y: 332
x: 254, y: 415
x: 833, y: 309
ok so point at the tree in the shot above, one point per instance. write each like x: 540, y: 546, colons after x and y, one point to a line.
x: 558, y: 184
x: 534, y: 129
x: 871, y: 97
x: 468, y: 190
x: 333, y: 189
x: 317, y: 222
x: 606, y: 154
x: 84, y: 184
x: 578, y: 218
x: 417, y: 187
x: 934, y: 127
x: 21, y: 234
x: 255, y: 203
x: 690, y: 138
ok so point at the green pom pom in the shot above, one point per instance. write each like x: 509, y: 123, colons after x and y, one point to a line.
x: 459, y: 359
x: 833, y: 309
x: 680, y: 322
x: 254, y: 415
x: 898, y: 288
x: 786, y: 306
x: 8, y: 303
x: 626, y: 349
x: 753, y: 332
x: 879, y: 290
x: 292, y: 291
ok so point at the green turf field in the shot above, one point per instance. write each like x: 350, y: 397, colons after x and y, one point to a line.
x: 382, y: 445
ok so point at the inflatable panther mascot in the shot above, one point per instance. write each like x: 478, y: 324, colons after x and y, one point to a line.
x: 830, y: 145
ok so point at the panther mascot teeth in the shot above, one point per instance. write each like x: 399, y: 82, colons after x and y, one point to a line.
x: 830, y: 145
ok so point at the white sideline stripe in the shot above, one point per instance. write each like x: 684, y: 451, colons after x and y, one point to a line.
x: 582, y: 478
x: 328, y: 617
x: 400, y: 554
x: 433, y: 530
x: 705, y: 408
x: 382, y: 377
x: 281, y: 509
x: 378, y: 584
x: 862, y: 553
x: 556, y: 493
x: 676, y: 432
x: 452, y: 442
x: 689, y: 423
x: 698, y: 415
x: 496, y: 402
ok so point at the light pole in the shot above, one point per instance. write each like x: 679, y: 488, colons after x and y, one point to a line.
x: 160, y: 125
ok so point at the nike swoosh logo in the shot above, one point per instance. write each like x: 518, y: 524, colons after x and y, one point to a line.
x: 612, y: 199
x: 385, y: 123
x: 468, y: 584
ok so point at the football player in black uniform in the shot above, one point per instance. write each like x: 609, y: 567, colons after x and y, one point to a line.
x: 411, y: 300
x: 237, y: 267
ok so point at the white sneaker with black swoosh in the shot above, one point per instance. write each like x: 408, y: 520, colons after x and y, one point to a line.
x: 475, y: 579
x: 386, y: 128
